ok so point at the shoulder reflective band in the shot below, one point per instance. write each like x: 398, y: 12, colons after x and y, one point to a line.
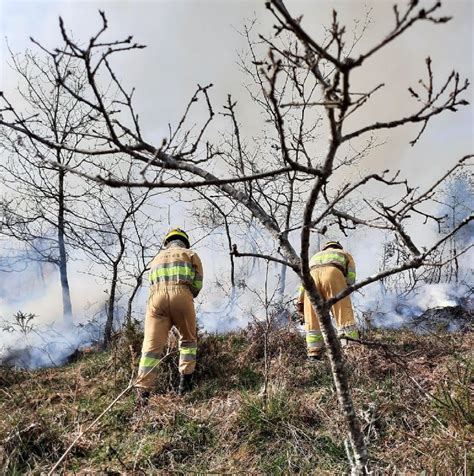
x: 329, y: 257
x: 178, y: 270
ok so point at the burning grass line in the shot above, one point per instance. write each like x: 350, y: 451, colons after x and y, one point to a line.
x: 117, y: 398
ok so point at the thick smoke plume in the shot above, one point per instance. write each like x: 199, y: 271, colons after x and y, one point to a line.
x: 188, y: 54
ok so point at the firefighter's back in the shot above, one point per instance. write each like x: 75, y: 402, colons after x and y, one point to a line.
x: 176, y: 277
x: 171, y: 275
x: 172, y: 267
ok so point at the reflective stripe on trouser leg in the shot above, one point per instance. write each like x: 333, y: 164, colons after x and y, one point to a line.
x: 187, y: 357
x: 314, y: 342
x: 157, y: 327
x: 349, y: 331
x: 147, y: 368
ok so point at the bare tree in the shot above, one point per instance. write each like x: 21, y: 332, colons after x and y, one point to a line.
x: 453, y: 204
x: 117, y: 241
x: 144, y: 248
x: 44, y: 199
x: 456, y: 202
x: 287, y: 181
x: 267, y: 324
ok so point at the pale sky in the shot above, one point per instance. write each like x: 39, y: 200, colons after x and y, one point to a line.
x: 195, y: 41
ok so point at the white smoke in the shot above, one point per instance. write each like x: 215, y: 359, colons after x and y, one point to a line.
x: 392, y: 310
x: 48, y: 339
x: 223, y: 308
x: 189, y: 54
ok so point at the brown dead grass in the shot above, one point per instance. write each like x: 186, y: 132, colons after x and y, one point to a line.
x: 413, y: 395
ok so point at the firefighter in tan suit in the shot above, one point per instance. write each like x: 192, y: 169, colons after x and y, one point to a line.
x: 176, y: 276
x: 333, y: 270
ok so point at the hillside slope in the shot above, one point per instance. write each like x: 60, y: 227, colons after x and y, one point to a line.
x: 412, y: 392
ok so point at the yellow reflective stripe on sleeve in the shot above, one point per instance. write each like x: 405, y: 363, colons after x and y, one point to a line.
x: 197, y: 282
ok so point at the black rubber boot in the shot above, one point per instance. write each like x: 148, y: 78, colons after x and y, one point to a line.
x: 185, y: 384
x: 143, y: 396
x: 315, y: 358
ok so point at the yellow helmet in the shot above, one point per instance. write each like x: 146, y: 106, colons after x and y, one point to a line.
x: 331, y: 244
x: 177, y: 234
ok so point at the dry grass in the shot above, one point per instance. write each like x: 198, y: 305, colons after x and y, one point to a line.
x: 413, y: 394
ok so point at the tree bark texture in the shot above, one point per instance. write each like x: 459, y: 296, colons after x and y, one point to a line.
x: 62, y: 263
x: 113, y: 288
x: 341, y: 383
x: 110, y: 308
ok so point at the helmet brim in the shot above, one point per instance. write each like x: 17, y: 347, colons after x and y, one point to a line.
x: 177, y: 237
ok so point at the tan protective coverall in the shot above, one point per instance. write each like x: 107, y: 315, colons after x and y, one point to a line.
x: 176, y: 276
x: 332, y: 271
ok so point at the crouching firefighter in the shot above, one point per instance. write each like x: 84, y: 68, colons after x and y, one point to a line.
x: 176, y: 276
x: 332, y: 270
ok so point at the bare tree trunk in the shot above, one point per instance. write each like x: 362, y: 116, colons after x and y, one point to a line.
x: 336, y: 360
x: 282, y: 283
x: 135, y: 290
x: 266, y: 337
x: 113, y: 288
x: 62, y: 264
x: 110, y: 306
